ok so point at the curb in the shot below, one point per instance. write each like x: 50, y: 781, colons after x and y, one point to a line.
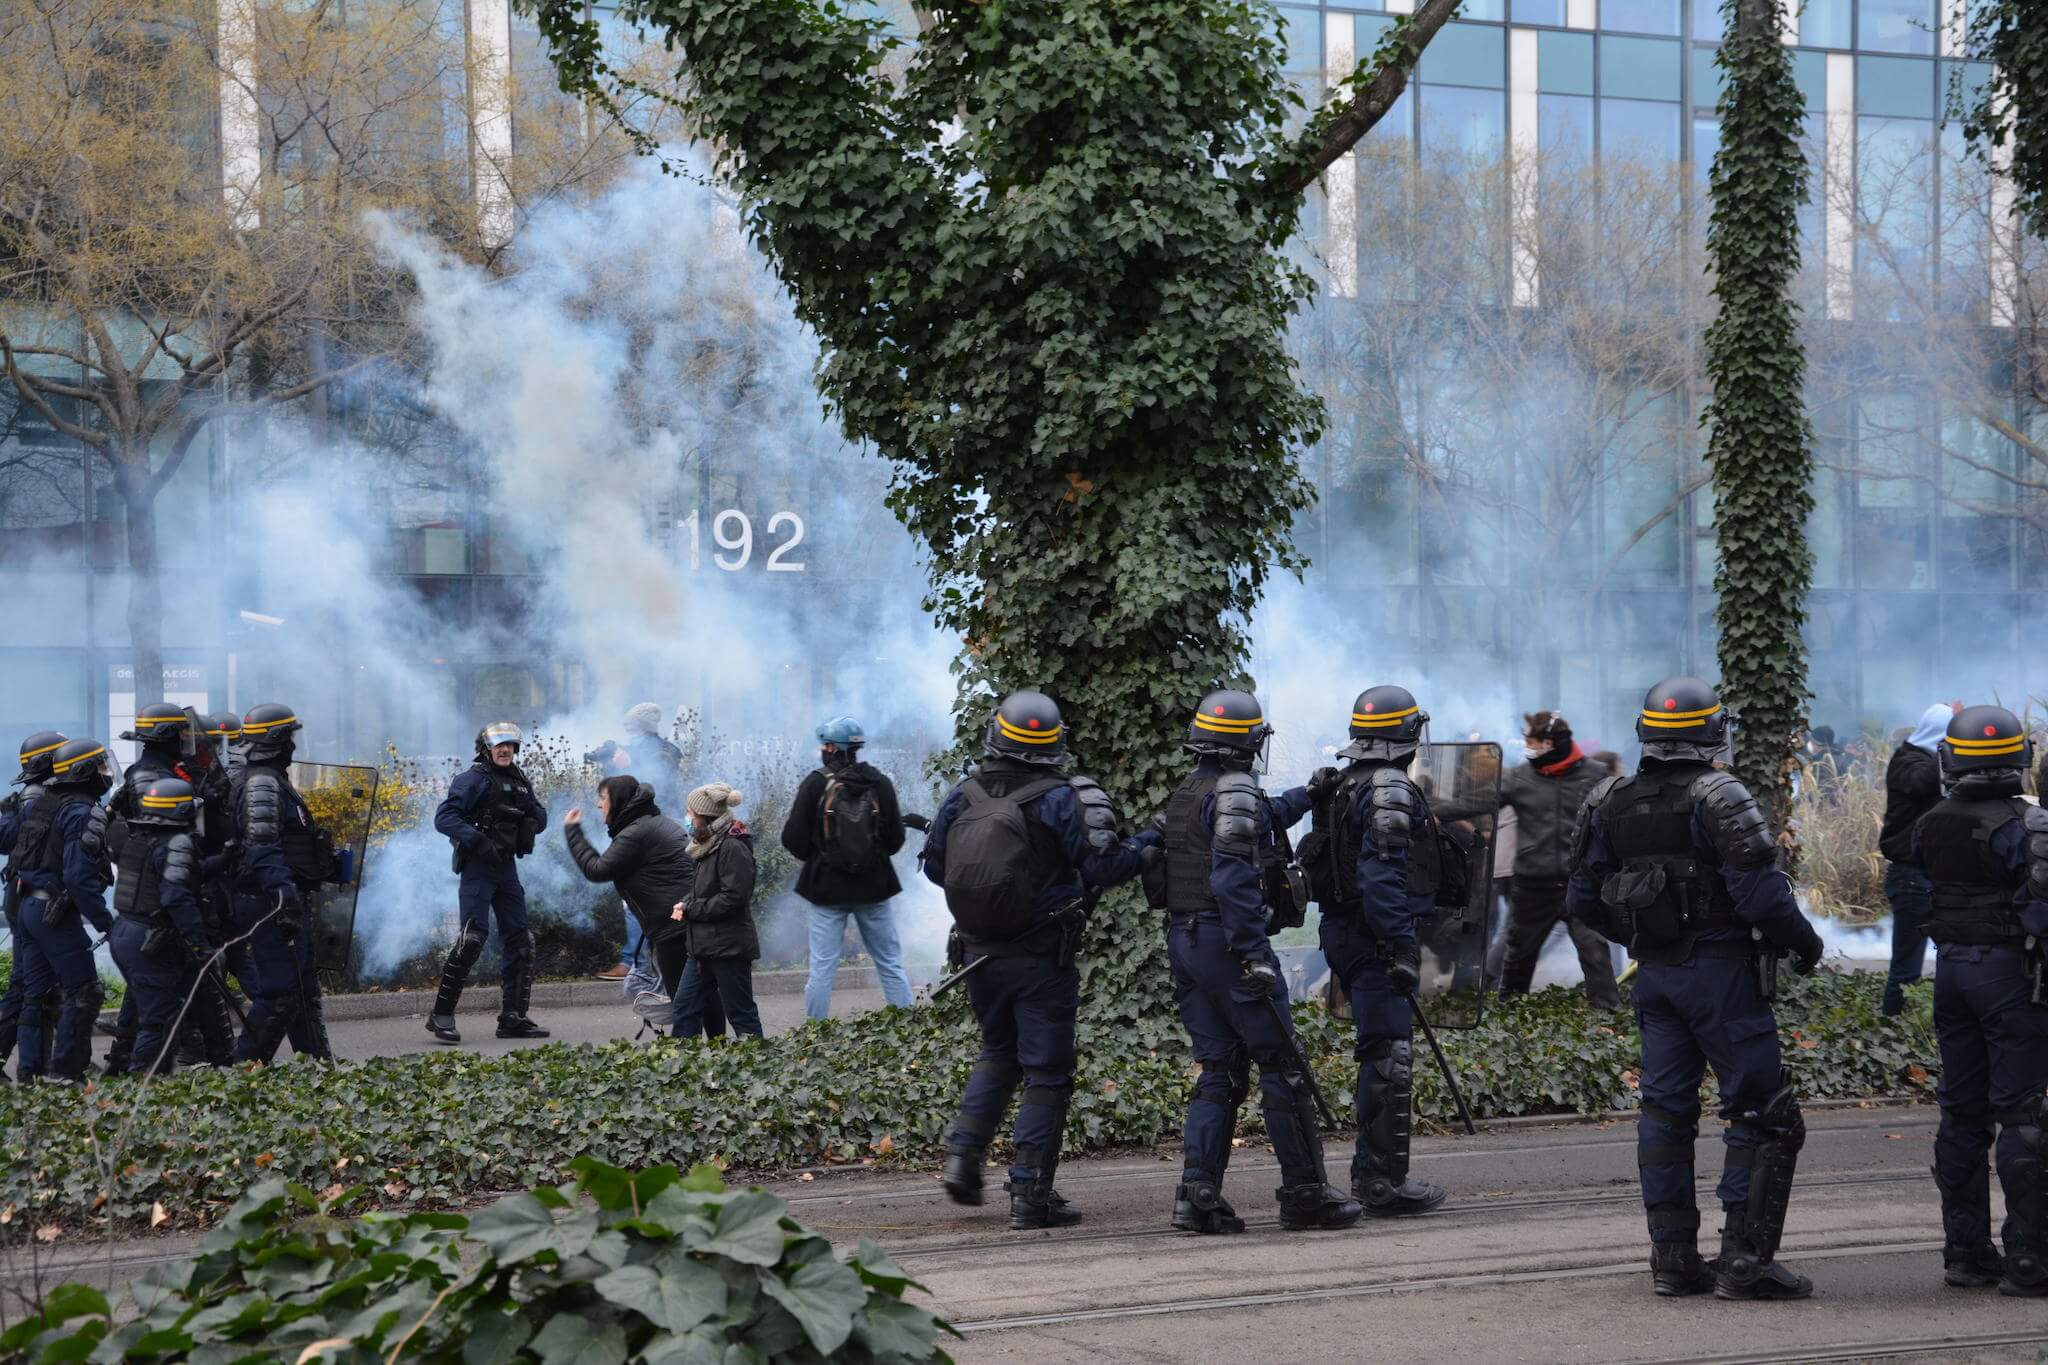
x: 556, y: 995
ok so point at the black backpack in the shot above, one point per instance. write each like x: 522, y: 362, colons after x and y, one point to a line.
x: 993, y: 871
x: 849, y: 820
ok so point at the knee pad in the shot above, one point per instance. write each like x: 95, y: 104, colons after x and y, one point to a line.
x: 1390, y: 1059
x: 1778, y: 1117
x: 1217, y: 1084
x: 87, y: 997
x: 2029, y: 1117
x: 469, y: 946
x: 1688, y: 1124
x: 519, y: 947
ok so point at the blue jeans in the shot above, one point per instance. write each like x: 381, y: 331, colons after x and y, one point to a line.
x: 877, y: 931
x: 734, y: 979
x: 1912, y: 898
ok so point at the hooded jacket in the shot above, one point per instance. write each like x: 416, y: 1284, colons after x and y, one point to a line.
x: 720, y: 914
x: 803, y: 834
x: 1912, y: 786
x: 648, y: 858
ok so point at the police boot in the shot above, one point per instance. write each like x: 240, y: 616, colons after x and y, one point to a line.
x: 442, y: 1026
x: 1743, y: 1272
x: 1749, y: 1240
x: 1198, y: 1206
x: 962, y: 1176
x: 1977, y: 1267
x: 2026, y: 1201
x: 1379, y: 1173
x: 1314, y: 1206
x: 512, y: 1020
x: 1383, y: 1198
x: 1036, y: 1204
x: 1677, y: 1271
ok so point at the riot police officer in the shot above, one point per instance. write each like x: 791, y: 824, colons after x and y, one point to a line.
x: 1678, y: 863
x: 1218, y: 834
x: 1018, y: 848
x: 1986, y: 852
x: 36, y: 753
x: 1377, y: 874
x: 492, y: 817
x: 271, y: 880
x: 159, y: 938
x: 224, y: 728
x: 62, y: 882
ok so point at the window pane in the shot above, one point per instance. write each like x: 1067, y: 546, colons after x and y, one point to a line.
x: 1466, y: 54
x: 1825, y: 23
x: 1564, y: 63
x: 1640, y: 16
x: 1706, y: 141
x: 1898, y: 86
x: 1810, y: 69
x: 1565, y: 129
x: 1897, y: 26
x: 1471, y: 122
x: 1639, y: 130
x: 1639, y: 68
x: 1540, y: 12
x: 1707, y: 78
x: 1706, y: 20
x: 1302, y: 31
x: 1894, y: 201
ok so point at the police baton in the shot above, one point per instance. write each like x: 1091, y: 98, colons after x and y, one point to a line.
x: 956, y: 978
x: 1443, y: 1064
x: 1285, y: 1026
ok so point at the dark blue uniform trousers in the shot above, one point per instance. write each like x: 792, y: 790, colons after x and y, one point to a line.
x: 1994, y: 1057
x: 1692, y: 1015
x: 158, y: 985
x: 491, y: 890
x: 60, y: 992
x: 1026, y: 1008
x: 1384, y: 1048
x: 284, y: 989
x: 1229, y: 1028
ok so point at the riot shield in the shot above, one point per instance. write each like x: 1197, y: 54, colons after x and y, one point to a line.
x: 343, y: 802
x: 1462, y: 783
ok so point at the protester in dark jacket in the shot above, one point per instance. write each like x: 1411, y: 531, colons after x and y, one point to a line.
x: 847, y: 802
x: 649, y: 860
x: 658, y: 764
x: 1912, y: 787
x: 719, y: 913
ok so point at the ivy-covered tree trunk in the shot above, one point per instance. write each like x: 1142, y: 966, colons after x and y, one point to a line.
x: 1046, y: 266
x: 2011, y: 112
x: 1760, y: 443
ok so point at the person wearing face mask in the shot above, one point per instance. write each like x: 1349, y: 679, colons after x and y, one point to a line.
x: 1544, y: 795
x: 845, y: 825
x: 718, y: 915
x: 1912, y: 786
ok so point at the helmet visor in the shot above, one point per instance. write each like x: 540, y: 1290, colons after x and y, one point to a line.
x: 501, y: 732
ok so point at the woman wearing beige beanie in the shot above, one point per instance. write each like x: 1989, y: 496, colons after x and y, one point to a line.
x: 719, y: 913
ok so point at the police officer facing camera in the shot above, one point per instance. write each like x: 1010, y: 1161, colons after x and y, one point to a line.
x: 1219, y: 831
x: 63, y: 881
x: 1380, y: 868
x: 492, y: 818
x: 1986, y: 853
x: 1018, y: 848
x: 159, y: 933
x: 1678, y: 863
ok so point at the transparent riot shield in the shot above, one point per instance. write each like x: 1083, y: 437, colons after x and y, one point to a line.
x: 343, y: 802
x: 1462, y: 782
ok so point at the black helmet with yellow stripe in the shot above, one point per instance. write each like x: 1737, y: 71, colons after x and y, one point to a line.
x: 36, y: 753
x: 267, y: 732
x: 1027, y: 726
x: 80, y: 763
x: 160, y: 724
x: 1386, y: 723
x: 168, y: 802
x: 1230, y: 725
x: 1981, y: 738
x: 1682, y: 719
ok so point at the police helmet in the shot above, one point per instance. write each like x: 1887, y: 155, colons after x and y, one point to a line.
x: 1229, y: 724
x: 159, y: 723
x: 496, y: 733
x: 36, y: 753
x: 169, y: 802
x: 843, y: 731
x: 1386, y: 723
x: 1027, y: 726
x: 1682, y: 718
x: 80, y: 763
x: 223, y: 727
x: 1982, y: 738
x: 267, y: 732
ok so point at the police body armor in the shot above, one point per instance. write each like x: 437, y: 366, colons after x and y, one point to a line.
x: 39, y: 846
x: 1190, y: 843
x: 1973, y: 894
x: 10, y: 887
x: 138, y: 895
x: 502, y: 819
x: 1664, y: 897
x: 1333, y: 861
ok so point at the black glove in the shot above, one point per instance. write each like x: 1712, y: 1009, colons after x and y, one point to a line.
x: 1806, y: 957
x: 1405, y: 971
x: 1322, y: 782
x: 1260, y: 977
x: 286, y: 922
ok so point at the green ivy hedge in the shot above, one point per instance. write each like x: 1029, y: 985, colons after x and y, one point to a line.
x: 435, y: 1129
x: 616, y: 1265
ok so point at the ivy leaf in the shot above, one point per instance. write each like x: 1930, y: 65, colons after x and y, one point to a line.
x: 68, y: 1301
x: 571, y: 1340
x: 515, y: 1228
x: 825, y: 1297
x: 748, y: 1230
x: 495, y: 1338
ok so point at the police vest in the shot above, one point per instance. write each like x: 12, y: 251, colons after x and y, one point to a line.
x: 1664, y: 896
x: 1188, y: 839
x: 1333, y: 867
x: 503, y: 811
x: 27, y: 799
x: 138, y: 894
x: 1972, y: 891
x: 38, y: 848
